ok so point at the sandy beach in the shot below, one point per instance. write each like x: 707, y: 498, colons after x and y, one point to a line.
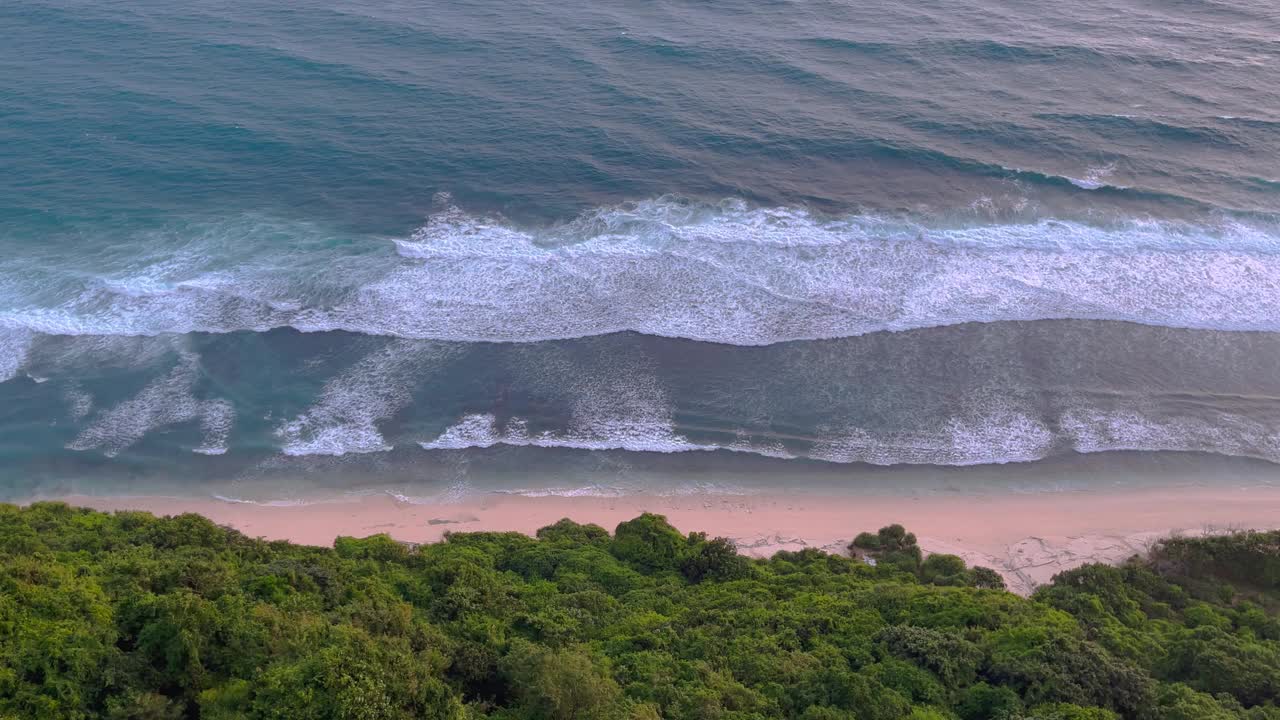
x: 1027, y: 537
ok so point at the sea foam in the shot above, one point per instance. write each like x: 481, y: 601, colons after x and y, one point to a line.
x: 721, y: 272
x: 166, y: 401
x: 481, y: 430
x: 14, y: 345
x: 345, y: 417
x: 752, y: 277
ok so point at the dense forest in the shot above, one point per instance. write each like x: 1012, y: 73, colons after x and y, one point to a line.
x: 127, y: 615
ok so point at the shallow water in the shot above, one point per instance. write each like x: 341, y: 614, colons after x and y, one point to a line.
x: 402, y: 240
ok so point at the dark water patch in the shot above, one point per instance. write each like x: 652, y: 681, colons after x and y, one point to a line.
x: 1265, y: 184
x: 1271, y: 125
x: 1147, y: 128
x: 971, y: 394
x: 1014, y: 52
x: 877, y: 50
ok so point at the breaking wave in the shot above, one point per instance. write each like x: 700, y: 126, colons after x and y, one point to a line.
x: 1000, y: 435
x: 344, y: 419
x: 165, y: 402
x: 482, y: 430
x: 721, y: 272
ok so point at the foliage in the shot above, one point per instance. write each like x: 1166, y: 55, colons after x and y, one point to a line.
x: 892, y: 547
x: 128, y: 616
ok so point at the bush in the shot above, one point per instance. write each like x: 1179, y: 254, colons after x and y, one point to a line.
x: 952, y: 658
x: 649, y: 542
x: 571, y: 533
x: 942, y: 569
x: 716, y: 559
x: 567, y: 684
x: 984, y: 702
x: 893, y: 548
x: 866, y: 541
x: 1066, y: 711
x: 131, y: 616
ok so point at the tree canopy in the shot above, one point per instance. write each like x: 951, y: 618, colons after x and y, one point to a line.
x: 130, y: 616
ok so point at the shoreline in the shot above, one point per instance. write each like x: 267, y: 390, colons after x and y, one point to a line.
x: 1027, y: 538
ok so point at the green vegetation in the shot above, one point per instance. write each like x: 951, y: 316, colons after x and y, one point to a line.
x: 130, y: 616
x: 894, y: 547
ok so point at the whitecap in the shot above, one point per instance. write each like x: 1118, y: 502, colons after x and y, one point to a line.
x: 1095, y: 178
x: 1004, y: 431
x: 481, y: 430
x: 345, y: 417
x: 216, y: 420
x: 720, y: 272
x: 15, y: 343
x: 166, y: 401
x: 1143, y: 425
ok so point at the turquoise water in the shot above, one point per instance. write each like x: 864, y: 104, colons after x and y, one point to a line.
x: 247, y: 244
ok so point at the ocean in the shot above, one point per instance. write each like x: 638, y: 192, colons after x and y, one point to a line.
x: 283, y: 252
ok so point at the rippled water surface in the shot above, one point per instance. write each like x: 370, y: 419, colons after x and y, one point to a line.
x: 250, y: 243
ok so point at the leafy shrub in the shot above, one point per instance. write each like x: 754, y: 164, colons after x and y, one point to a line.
x: 649, y: 542
x: 131, y: 616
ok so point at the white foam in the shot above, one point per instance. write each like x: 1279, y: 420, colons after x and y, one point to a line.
x: 616, y: 403
x: 166, y: 401
x: 74, y: 356
x: 1096, y: 178
x: 716, y: 272
x: 478, y: 430
x: 263, y: 503
x: 15, y: 343
x: 79, y: 403
x: 1001, y: 433
x: 216, y: 419
x: 481, y: 431
x: 1145, y: 427
x: 761, y: 276
x: 772, y: 449
x: 1013, y: 430
x: 604, y: 491
x: 986, y: 429
x: 345, y: 417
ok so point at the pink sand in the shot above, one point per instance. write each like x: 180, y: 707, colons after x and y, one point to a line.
x: 1027, y: 538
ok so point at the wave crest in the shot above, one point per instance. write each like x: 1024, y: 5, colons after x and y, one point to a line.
x: 720, y: 272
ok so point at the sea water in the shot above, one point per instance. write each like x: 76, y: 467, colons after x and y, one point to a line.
x: 269, y: 251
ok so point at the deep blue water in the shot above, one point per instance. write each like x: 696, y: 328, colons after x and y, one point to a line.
x: 243, y: 239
